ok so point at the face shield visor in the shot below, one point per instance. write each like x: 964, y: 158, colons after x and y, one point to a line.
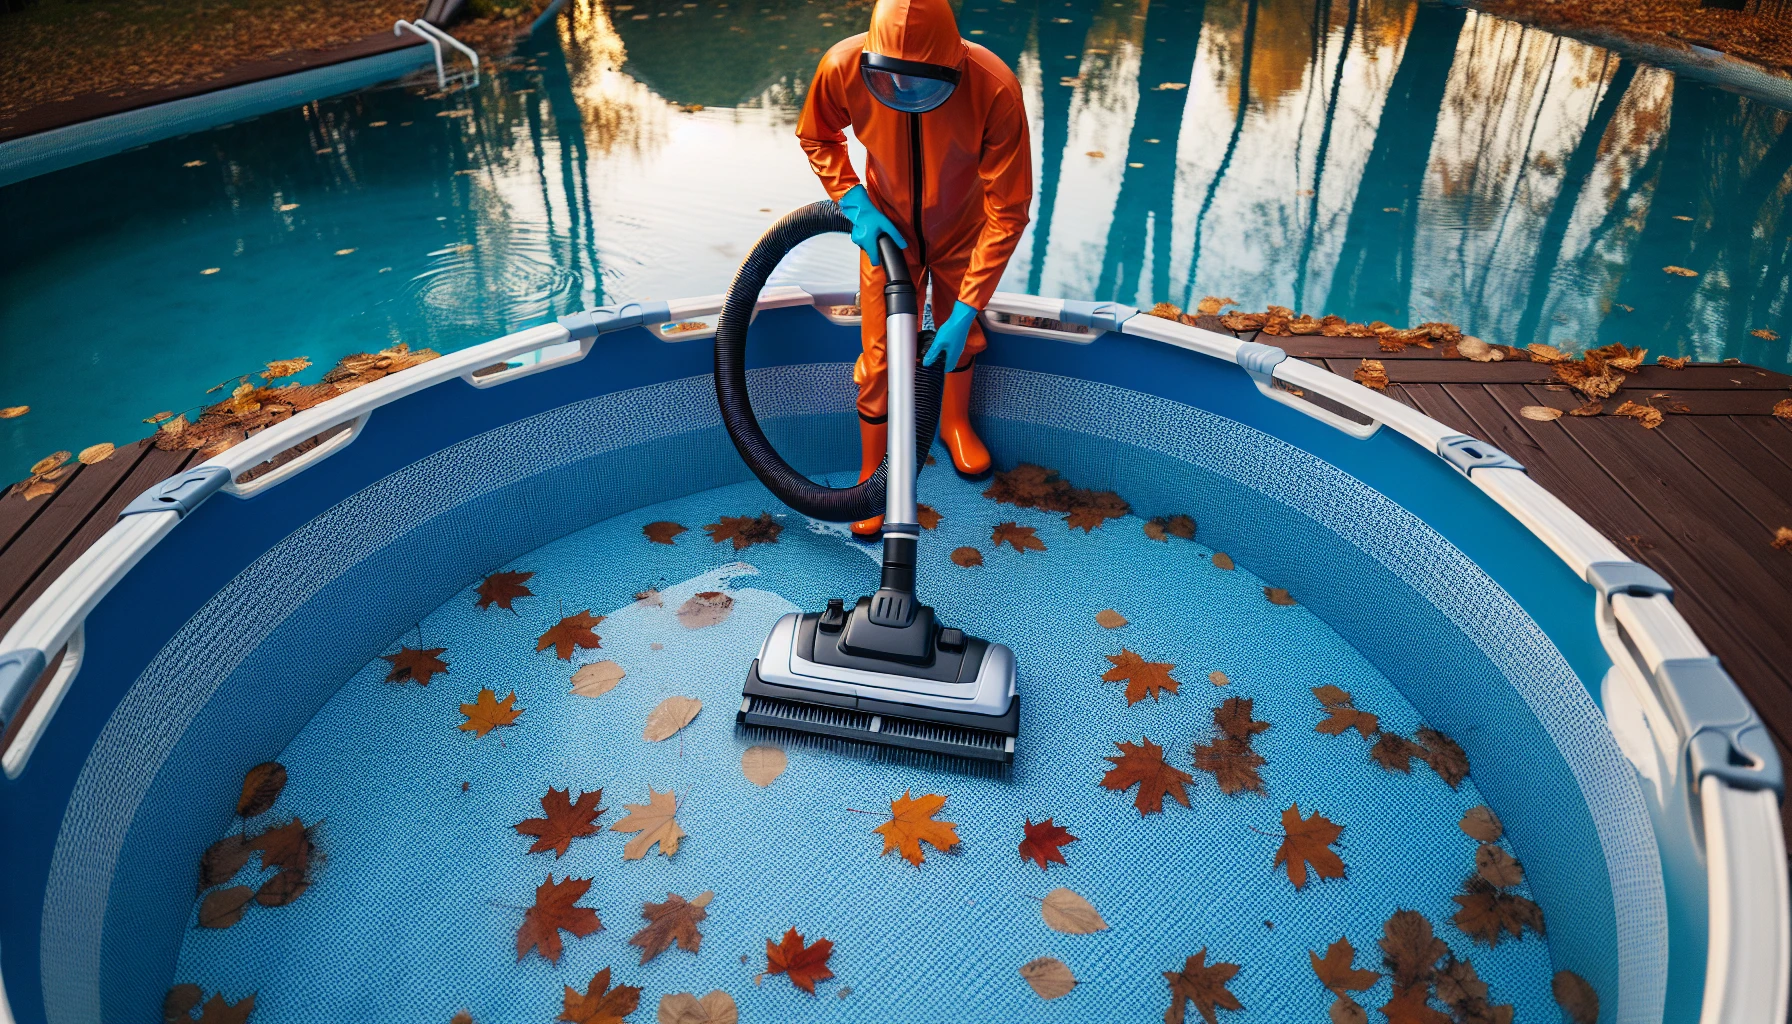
x: 906, y: 85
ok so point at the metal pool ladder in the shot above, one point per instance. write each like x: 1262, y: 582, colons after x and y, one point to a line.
x: 435, y: 37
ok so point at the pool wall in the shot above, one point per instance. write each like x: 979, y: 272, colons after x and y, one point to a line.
x: 1490, y: 602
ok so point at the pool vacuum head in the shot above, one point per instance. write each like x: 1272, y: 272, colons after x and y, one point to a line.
x: 884, y: 676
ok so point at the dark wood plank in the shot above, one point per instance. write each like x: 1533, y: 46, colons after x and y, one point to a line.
x: 1320, y: 347
x: 1682, y: 383
x: 66, y: 511
x: 1760, y: 487
x: 154, y: 467
x: 1686, y: 402
x: 16, y: 513
x: 1774, y: 436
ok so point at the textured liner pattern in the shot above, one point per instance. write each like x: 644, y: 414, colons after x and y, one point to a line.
x: 1402, y: 542
x: 174, y: 690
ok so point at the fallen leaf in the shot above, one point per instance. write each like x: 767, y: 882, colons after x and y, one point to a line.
x: 1395, y: 752
x: 554, y: 912
x: 1541, y: 353
x: 1065, y: 911
x: 261, y: 787
x: 746, y: 531
x: 1108, y: 618
x: 217, y: 1011
x: 287, y: 847
x: 49, y: 462
x: 1048, y: 977
x: 1481, y: 823
x: 224, y: 907
x: 1021, y: 538
x: 1031, y: 486
x: 223, y: 859
x: 283, y: 888
x: 415, y: 665
x: 1204, y: 985
x: 1233, y: 718
x: 597, y: 678
x: 967, y: 557
x: 1444, y: 755
x: 1221, y: 560
x: 1589, y: 409
x: 178, y: 1004
x: 684, y: 1008
x: 1782, y: 538
x: 1210, y: 305
x: 565, y: 820
x: 1497, y: 867
x: 804, y: 965
x: 1782, y: 409
x: 911, y: 824
x: 1679, y: 271
x: 1765, y: 334
x: 1162, y: 528
x: 656, y: 822
x: 1143, y: 678
x: 1276, y: 595
x: 705, y: 609
x: 35, y: 489
x: 1233, y: 764
x: 344, y: 252
x: 1540, y: 413
x: 669, y: 716
x: 1336, y: 973
x: 596, y: 1005
x: 663, y: 532
x: 501, y: 588
x: 1649, y: 416
x: 1672, y: 363
x: 1471, y: 347
x: 1410, y: 949
x: 927, y: 517
x: 763, y: 764
x: 1308, y: 842
x: 1487, y: 913
x: 1218, y: 678
x: 1163, y: 86
x: 1040, y: 843
x: 1371, y: 373
x: 95, y: 454
x: 462, y: 1017
x: 1345, y: 1010
x: 674, y: 921
x: 571, y: 632
x: 1576, y: 998
x: 1142, y: 764
x: 13, y: 412
x: 1409, y: 1006
x: 208, y: 271
x: 488, y: 713
x: 1342, y: 715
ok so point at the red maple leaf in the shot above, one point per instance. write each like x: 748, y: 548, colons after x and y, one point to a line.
x: 553, y: 911
x: 565, y: 820
x: 501, y: 588
x: 806, y: 966
x: 1142, y: 764
x: 1041, y: 843
x: 570, y: 632
x: 415, y: 665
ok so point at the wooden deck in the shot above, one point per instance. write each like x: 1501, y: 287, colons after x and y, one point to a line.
x: 1697, y: 499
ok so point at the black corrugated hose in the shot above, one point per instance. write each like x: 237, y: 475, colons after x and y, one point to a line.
x: 833, y: 504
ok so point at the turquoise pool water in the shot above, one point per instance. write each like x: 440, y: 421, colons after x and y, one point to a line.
x: 1385, y: 159
x: 413, y: 911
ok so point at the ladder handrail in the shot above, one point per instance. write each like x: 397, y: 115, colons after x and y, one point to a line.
x: 437, y: 31
x: 435, y: 37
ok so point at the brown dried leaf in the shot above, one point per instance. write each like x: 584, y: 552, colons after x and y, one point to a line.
x: 1540, y: 413
x: 1021, y: 538
x: 1679, y: 271
x: 1345, y: 1010
x: 656, y: 821
x: 1372, y: 374
x: 224, y: 907
x: 13, y: 412
x: 1783, y: 409
x: 705, y: 609
x: 1143, y: 678
x: 967, y: 557
x: 1444, y: 755
x: 674, y: 921
x: 671, y: 715
x: 1108, y: 618
x: 596, y: 1005
x: 746, y: 531
x: 414, y: 665
x: 1649, y: 416
x: 1541, y: 353
x: 563, y: 820
x: 1782, y: 538
x: 662, y: 532
x: 283, y: 888
x: 1232, y: 763
x: 1142, y: 764
x: 1162, y: 528
x: 684, y: 1008
x: 94, y: 454
x: 1336, y: 973
x: 1497, y: 867
x: 1487, y: 913
x: 597, y: 678
x: 1218, y: 678
x: 1210, y: 305
x: 1765, y: 334
x: 178, y: 1004
x: 1308, y: 842
x: 217, y: 1011
x: 1395, y: 752
x: 553, y: 912
x: 1342, y: 715
x: 1048, y: 977
x: 261, y: 787
x: 487, y: 712
x: 1276, y: 595
x: 49, y: 462
x: 285, y: 367
x: 763, y: 764
x: 1590, y: 409
x: 927, y: 517
x: 1576, y: 998
x: 570, y: 633
x: 1471, y: 347
x: 501, y: 588
x: 1221, y: 560
x: 1204, y: 985
x: 1065, y: 911
x: 287, y: 847
x: 1482, y: 824
x: 1410, y: 949
x: 223, y: 859
x: 1672, y: 363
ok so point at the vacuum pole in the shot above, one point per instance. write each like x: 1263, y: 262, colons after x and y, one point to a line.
x: 901, y: 527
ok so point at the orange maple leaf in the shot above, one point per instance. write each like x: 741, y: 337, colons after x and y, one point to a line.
x: 674, y: 921
x: 1040, y: 843
x: 596, y: 1006
x: 746, y: 531
x: 911, y: 824
x: 501, y: 588
x: 1021, y: 538
x: 1143, y: 764
x: 1143, y: 678
x: 662, y: 532
x: 1309, y: 841
x: 1342, y: 715
x: 487, y: 713
x: 553, y: 911
x: 806, y: 966
x: 1410, y: 1006
x: 565, y: 820
x: 419, y: 665
x: 1335, y: 972
x: 570, y: 632
x: 1203, y: 984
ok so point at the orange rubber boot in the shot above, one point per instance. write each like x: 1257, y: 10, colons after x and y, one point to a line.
x: 873, y: 439
x: 969, y: 456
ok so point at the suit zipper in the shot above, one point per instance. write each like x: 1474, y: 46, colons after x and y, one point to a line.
x: 916, y: 185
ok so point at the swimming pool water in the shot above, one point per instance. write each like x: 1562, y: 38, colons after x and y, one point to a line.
x: 414, y: 908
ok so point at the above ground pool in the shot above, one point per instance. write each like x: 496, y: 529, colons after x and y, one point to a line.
x: 431, y: 714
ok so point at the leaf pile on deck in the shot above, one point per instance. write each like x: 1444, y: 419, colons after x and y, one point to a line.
x: 1229, y: 758
x: 746, y: 531
x: 287, y: 850
x: 1030, y: 486
x: 252, y: 408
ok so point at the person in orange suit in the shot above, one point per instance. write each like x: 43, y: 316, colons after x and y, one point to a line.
x: 949, y: 178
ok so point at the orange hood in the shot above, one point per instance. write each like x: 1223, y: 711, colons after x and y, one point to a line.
x: 918, y: 30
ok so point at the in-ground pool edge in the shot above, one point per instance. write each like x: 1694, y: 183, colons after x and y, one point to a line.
x: 59, y: 148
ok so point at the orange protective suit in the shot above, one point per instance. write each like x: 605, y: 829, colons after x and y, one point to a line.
x: 963, y: 213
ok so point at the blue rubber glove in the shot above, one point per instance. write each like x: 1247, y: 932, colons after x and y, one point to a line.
x: 868, y: 222
x: 950, y: 339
